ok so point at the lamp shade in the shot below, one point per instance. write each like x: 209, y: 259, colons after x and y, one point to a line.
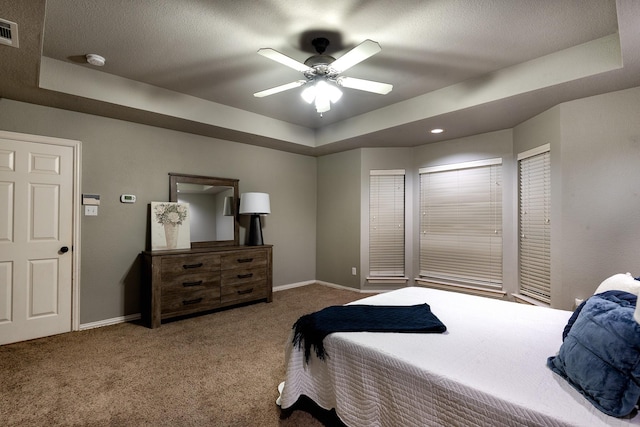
x: 227, y: 208
x: 255, y: 203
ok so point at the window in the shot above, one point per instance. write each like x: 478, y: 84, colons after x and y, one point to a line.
x: 386, y: 223
x: 534, y: 176
x: 461, y: 223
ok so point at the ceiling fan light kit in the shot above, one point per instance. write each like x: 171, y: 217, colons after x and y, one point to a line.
x: 323, y: 72
x: 323, y: 93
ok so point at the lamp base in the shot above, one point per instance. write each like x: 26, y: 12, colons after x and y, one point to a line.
x: 255, y: 231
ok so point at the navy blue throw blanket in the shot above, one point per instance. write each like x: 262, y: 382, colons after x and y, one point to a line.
x: 311, y: 329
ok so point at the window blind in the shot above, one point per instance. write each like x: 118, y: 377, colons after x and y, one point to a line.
x: 461, y: 223
x: 535, y: 225
x: 386, y: 223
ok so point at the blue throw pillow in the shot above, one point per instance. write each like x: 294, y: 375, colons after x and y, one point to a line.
x: 600, y: 356
x: 623, y: 295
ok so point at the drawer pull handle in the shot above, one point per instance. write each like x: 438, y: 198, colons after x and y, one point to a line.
x: 187, y: 284
x: 245, y: 260
x: 246, y: 291
x: 245, y: 276
x: 188, y: 266
x: 192, y: 301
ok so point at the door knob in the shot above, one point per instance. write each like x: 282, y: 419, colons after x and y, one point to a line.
x: 64, y: 249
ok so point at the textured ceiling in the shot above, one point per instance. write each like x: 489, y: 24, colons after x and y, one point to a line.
x: 468, y: 66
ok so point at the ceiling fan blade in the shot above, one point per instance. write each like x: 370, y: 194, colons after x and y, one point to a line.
x: 367, y: 85
x: 356, y: 55
x: 280, y: 88
x: 283, y: 59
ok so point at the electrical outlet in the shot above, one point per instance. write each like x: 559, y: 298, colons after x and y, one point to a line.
x: 90, y: 210
x: 354, y: 272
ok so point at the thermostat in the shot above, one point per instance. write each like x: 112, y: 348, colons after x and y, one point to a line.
x: 128, y: 198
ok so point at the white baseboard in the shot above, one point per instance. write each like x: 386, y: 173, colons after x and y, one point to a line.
x: 314, y: 282
x: 333, y: 285
x: 132, y: 317
x: 293, y: 285
x: 109, y: 322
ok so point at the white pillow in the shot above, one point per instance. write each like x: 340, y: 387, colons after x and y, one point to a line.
x: 620, y: 282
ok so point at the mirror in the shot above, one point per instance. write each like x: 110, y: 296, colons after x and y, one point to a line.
x: 213, y: 204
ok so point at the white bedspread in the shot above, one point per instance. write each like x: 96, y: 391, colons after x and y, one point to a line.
x: 488, y: 369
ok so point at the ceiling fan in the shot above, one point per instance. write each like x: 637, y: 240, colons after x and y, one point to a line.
x: 322, y: 73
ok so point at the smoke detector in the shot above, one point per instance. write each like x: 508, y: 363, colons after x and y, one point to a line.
x: 96, y: 60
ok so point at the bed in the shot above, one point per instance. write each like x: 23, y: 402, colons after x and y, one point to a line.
x: 488, y: 369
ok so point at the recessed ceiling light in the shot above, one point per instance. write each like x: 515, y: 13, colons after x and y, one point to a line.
x: 96, y: 60
x: 437, y: 130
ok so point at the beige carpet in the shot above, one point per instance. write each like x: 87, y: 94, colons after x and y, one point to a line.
x: 219, y: 369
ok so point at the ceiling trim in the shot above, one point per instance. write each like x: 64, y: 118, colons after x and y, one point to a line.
x: 591, y: 58
x: 585, y: 60
x: 80, y: 81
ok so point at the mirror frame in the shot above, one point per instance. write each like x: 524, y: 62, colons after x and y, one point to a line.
x: 175, y: 178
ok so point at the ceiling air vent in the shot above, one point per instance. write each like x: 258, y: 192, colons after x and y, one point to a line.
x: 8, y: 33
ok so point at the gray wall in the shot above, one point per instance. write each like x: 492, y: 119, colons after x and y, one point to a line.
x: 600, y: 206
x: 595, y: 189
x: 338, y: 227
x: 316, y: 225
x: 121, y: 157
x: 595, y: 153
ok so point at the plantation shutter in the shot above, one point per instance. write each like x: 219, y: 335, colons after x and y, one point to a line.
x: 461, y: 223
x: 535, y: 226
x: 386, y: 223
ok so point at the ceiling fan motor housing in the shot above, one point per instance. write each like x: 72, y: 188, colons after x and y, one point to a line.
x: 320, y: 66
x: 320, y: 43
x: 320, y: 62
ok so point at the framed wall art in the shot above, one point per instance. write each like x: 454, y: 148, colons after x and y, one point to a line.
x: 170, y: 226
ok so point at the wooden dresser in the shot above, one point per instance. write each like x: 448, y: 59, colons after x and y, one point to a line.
x: 183, y: 282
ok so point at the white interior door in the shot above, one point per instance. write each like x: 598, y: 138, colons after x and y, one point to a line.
x: 36, y: 238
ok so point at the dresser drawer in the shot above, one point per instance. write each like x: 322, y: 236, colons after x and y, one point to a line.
x: 178, y: 301
x: 191, y: 283
x: 242, y: 275
x: 202, y: 279
x: 178, y: 267
x: 234, y: 293
x: 244, y: 259
x: 243, y: 284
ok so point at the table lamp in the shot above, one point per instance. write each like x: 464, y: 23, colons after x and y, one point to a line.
x: 255, y: 204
